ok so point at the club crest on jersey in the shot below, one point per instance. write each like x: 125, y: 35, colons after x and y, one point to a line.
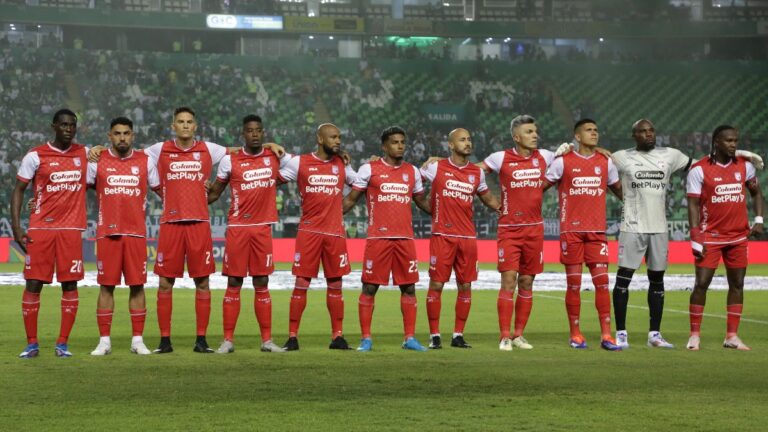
x: 369, y: 264
x: 405, y: 177
x: 738, y: 176
x: 661, y: 164
x: 76, y: 161
x: 267, y: 162
x: 196, y: 155
x: 135, y: 170
x: 471, y: 178
x: 433, y: 260
x: 535, y: 162
x: 335, y: 169
x: 598, y: 170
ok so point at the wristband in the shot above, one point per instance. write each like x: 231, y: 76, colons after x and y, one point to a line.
x: 758, y: 219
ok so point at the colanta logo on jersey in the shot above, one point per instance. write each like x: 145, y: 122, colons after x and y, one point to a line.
x: 185, y: 170
x: 323, y: 183
x: 66, y: 181
x: 728, y: 193
x: 526, y: 178
x: 649, y: 175
x: 123, y: 180
x: 397, y: 192
x: 254, y: 179
x: 459, y: 190
x: 586, y: 186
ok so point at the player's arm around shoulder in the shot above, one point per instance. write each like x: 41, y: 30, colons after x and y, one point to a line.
x: 359, y: 187
x: 614, y: 182
x: 694, y: 183
x: 419, y: 196
x: 756, y: 193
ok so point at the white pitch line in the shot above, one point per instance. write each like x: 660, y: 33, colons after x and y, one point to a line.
x: 749, y: 320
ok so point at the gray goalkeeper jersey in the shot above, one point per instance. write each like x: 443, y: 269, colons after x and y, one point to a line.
x: 644, y: 179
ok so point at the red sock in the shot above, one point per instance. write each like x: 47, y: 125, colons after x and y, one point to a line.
x: 298, y: 303
x: 334, y: 300
x: 602, y: 297
x: 573, y: 297
x: 696, y: 313
x: 69, y: 303
x: 104, y: 320
x: 505, y: 304
x: 463, y: 303
x: 231, y: 311
x: 262, y: 306
x: 408, y: 308
x: 365, y: 304
x: 434, y: 304
x: 734, y: 317
x: 138, y: 317
x: 522, y: 310
x: 202, y: 311
x: 164, y: 310
x: 30, y: 306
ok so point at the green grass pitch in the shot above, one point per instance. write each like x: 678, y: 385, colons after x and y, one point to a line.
x: 551, y: 388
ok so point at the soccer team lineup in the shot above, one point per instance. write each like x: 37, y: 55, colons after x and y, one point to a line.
x: 188, y: 174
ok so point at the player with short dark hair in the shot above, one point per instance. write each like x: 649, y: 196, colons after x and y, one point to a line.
x: 390, y: 184
x: 717, y: 213
x: 453, y: 244
x: 121, y: 177
x: 321, y: 177
x: 53, y: 241
x: 252, y: 174
x: 582, y: 178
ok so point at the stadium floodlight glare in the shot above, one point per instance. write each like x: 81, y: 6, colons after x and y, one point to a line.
x: 244, y: 22
x: 330, y: 37
x: 602, y: 40
x: 311, y: 37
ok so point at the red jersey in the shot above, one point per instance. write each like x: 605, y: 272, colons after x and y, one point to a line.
x: 388, y: 197
x: 59, y: 186
x: 452, y: 195
x: 722, y: 199
x: 121, y: 189
x: 321, y: 186
x: 183, y: 173
x: 253, y: 182
x: 582, y: 186
x: 520, y: 179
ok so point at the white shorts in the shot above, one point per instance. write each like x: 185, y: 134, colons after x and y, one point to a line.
x: 633, y: 247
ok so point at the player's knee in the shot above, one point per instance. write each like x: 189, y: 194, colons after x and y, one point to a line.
x: 436, y: 286
x: 236, y: 282
x: 508, y: 281
x: 202, y: 283
x: 656, y: 277
x: 69, y: 286
x: 166, y: 284
x: 370, y: 289
x: 108, y: 289
x: 467, y: 286
x: 525, y: 282
x: 259, y: 281
x: 34, y: 286
x: 135, y: 290
x: 409, y: 290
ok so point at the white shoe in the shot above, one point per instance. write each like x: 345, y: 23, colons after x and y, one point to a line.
x: 103, y: 348
x: 505, y: 344
x: 734, y: 342
x: 138, y: 347
x: 269, y: 346
x: 693, y: 343
x: 521, y: 343
x: 622, y: 339
x: 655, y: 340
x: 226, y: 347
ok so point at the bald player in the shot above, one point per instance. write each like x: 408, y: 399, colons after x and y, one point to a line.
x: 453, y: 245
x: 321, y: 177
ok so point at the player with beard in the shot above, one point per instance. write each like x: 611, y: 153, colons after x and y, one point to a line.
x: 717, y: 213
x: 453, y: 244
x: 321, y: 177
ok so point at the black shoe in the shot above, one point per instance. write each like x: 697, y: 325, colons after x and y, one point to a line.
x: 201, y: 346
x: 292, y: 344
x: 435, y: 342
x: 165, y: 346
x: 339, y: 343
x: 459, y: 342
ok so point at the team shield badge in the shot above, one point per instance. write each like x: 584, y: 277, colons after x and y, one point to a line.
x: 135, y: 170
